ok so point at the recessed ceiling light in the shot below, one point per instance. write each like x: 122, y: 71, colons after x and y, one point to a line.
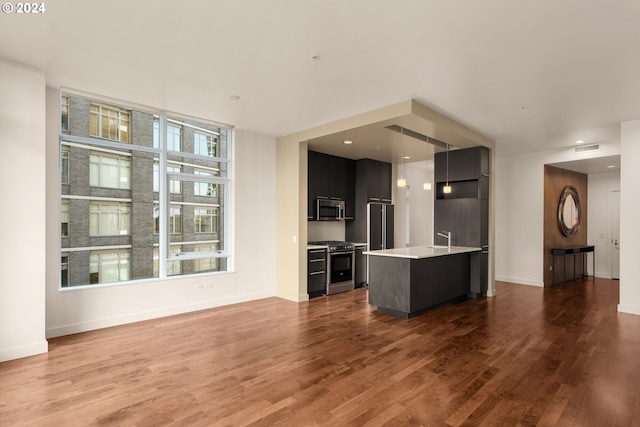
x: 234, y: 98
x: 406, y: 157
x: 580, y: 141
x: 611, y: 166
x: 348, y: 142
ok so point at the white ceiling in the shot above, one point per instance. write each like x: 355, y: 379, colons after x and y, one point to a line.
x: 528, y: 74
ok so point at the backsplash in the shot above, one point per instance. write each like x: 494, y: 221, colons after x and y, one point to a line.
x: 325, y: 230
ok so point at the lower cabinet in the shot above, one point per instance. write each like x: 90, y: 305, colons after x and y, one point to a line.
x: 316, y: 272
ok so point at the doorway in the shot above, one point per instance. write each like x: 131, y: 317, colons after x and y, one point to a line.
x: 615, y: 234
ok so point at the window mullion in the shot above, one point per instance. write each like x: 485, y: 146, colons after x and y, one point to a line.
x: 164, y: 201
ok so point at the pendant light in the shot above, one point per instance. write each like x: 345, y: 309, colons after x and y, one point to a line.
x: 402, y: 182
x: 427, y: 184
x: 447, y: 188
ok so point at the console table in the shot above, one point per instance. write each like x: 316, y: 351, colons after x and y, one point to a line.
x: 572, y: 251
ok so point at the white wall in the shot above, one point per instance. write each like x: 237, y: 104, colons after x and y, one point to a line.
x: 254, y: 217
x: 629, y: 225
x: 600, y: 188
x: 416, y: 228
x: 520, y: 211
x: 22, y: 254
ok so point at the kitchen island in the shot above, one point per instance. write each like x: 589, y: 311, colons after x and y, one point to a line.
x: 407, y: 282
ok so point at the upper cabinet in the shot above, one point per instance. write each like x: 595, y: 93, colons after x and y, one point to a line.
x: 465, y: 164
x: 330, y: 177
x: 466, y: 170
x: 373, y: 181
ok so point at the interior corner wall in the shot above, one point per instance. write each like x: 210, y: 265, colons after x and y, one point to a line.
x: 629, y: 224
x: 22, y: 276
x: 555, y: 180
x: 253, y: 233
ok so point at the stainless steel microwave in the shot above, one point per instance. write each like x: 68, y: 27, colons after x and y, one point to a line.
x: 329, y: 210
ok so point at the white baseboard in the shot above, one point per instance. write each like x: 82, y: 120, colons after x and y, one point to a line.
x: 32, y: 349
x: 520, y: 281
x: 58, y: 331
x: 629, y: 309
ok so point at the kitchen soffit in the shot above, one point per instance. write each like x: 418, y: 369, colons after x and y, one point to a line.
x: 375, y: 140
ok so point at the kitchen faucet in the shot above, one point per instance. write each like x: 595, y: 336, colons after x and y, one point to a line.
x: 446, y: 235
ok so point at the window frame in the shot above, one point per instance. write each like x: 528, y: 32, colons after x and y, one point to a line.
x: 163, y: 155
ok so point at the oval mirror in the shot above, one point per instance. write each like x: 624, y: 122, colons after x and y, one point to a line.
x: 569, y: 211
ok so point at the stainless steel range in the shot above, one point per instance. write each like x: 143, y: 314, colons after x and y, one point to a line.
x: 340, y: 268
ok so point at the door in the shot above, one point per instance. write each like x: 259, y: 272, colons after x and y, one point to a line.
x: 615, y: 234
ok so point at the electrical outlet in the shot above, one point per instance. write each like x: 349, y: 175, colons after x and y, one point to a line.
x: 208, y: 286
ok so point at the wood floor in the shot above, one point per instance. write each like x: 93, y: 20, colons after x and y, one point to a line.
x: 560, y: 356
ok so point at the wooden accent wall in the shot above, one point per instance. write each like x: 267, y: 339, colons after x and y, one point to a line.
x: 555, y: 179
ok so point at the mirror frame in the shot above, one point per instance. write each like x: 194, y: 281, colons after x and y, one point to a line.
x: 569, y: 191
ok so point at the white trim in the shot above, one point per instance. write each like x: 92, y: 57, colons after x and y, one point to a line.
x: 520, y: 281
x: 629, y: 309
x: 19, y: 352
x: 75, y: 328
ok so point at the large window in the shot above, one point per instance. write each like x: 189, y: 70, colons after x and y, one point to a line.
x: 145, y: 194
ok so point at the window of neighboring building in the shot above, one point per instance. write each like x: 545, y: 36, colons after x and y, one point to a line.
x: 205, y: 188
x: 206, y: 220
x: 64, y: 166
x: 64, y: 114
x: 109, y: 123
x: 64, y: 217
x: 110, y: 171
x: 205, y: 144
x: 175, y: 219
x: 108, y: 218
x: 64, y: 268
x: 109, y: 266
x: 206, y: 264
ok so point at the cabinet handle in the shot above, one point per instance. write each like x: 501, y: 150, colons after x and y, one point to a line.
x: 316, y: 260
x: 317, y: 251
x: 316, y: 273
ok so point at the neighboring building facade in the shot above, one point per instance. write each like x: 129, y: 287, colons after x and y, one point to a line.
x: 121, y: 169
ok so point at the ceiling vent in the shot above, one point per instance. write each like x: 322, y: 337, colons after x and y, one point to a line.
x: 586, y: 148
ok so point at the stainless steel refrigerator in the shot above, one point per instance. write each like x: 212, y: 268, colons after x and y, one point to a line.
x: 379, y: 226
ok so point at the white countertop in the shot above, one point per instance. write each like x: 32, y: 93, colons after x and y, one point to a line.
x: 419, y: 252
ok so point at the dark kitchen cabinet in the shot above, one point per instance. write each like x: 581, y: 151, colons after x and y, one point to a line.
x: 316, y: 272
x: 330, y: 177
x: 373, y: 184
x: 361, y: 267
x: 373, y: 178
x: 465, y: 164
x: 465, y: 211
